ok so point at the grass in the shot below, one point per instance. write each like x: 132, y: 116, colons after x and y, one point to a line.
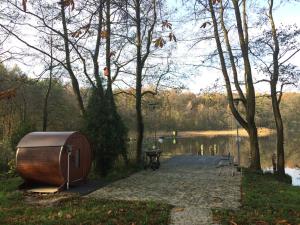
x: 121, y: 171
x: 265, y: 200
x: 77, y: 210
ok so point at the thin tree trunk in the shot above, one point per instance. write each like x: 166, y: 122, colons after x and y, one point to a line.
x: 109, y: 93
x: 138, y: 97
x: 279, y: 131
x: 253, y: 138
x: 74, y: 80
x: 45, y: 108
x: 108, y: 64
x: 140, y: 126
x: 248, y: 99
x: 231, y: 57
x: 24, y: 110
x: 233, y: 109
x: 250, y: 92
x: 97, y: 50
x: 275, y: 102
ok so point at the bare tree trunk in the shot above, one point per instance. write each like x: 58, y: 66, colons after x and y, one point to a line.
x: 279, y: 130
x: 138, y: 88
x: 108, y: 64
x: 74, y: 80
x: 275, y: 101
x: 45, y: 108
x: 250, y: 92
x: 253, y: 137
x: 97, y: 49
x: 24, y: 109
x: 248, y: 100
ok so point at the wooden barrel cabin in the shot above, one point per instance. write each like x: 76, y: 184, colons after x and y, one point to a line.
x: 54, y: 158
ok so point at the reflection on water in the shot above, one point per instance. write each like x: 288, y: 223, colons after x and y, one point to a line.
x: 295, y: 174
x: 224, y: 145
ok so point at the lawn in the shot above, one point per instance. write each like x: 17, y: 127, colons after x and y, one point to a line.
x: 77, y: 210
x: 265, y: 200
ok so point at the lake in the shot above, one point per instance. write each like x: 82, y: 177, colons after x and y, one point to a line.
x: 222, y: 145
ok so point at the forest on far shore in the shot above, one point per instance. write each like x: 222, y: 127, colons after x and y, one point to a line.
x: 167, y: 111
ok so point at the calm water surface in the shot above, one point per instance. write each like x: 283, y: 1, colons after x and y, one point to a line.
x: 223, y: 145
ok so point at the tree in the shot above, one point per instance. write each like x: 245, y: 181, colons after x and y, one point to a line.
x: 77, y: 39
x: 282, y: 45
x: 140, y: 63
x: 51, y: 67
x: 142, y: 16
x: 5, y: 54
x: 103, y: 123
x: 248, y: 98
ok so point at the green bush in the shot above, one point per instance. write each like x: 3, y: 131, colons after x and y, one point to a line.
x: 12, y: 172
x: 6, y: 154
x: 106, y: 131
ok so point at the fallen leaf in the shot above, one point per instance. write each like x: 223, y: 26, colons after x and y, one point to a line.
x: 261, y: 222
x: 233, y: 223
x: 217, y: 199
x: 179, y: 209
x: 109, y: 212
x: 68, y: 216
x: 285, y: 222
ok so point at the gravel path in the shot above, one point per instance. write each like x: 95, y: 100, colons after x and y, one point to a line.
x: 191, y: 183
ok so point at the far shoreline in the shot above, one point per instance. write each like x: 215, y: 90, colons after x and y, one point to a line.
x: 262, y: 132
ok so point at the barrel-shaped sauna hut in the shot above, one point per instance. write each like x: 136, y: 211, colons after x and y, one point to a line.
x: 55, y: 158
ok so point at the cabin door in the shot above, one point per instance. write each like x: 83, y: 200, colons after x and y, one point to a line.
x: 76, y: 170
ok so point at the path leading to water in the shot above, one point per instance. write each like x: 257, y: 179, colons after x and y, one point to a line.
x: 191, y: 183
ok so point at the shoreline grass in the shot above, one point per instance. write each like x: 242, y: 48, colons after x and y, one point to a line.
x: 265, y: 201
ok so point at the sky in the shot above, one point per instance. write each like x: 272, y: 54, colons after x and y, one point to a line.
x: 186, y: 54
x: 204, y: 78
